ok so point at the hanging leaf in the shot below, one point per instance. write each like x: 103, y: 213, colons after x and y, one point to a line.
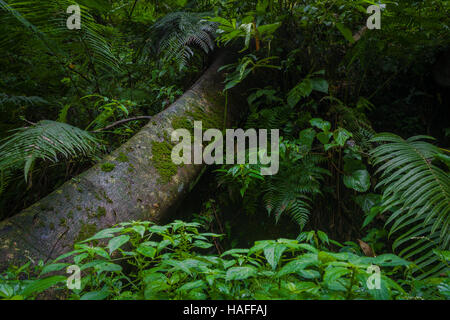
x: 302, y: 90
x: 117, y: 242
x: 347, y: 33
x: 359, y: 181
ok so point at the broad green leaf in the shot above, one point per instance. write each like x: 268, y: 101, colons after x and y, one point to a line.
x: 325, y: 257
x: 66, y: 255
x: 346, y: 32
x: 240, y: 273
x: 146, y: 251
x: 202, y: 244
x: 307, y: 138
x: 297, y: 265
x: 320, y: 85
x: 179, y: 265
x: 273, y: 254
x: 117, y: 242
x: 235, y: 251
x: 139, y: 229
x: 324, y: 137
x: 367, y: 201
x: 389, y: 260
x: 308, y: 247
x: 108, y: 267
x: 334, y: 273
x: 341, y: 136
x: 269, y: 28
x: 374, y: 211
x: 53, y: 267
x: 359, y: 181
x: 6, y: 291
x: 106, y: 233
x: 40, y: 285
x: 96, y: 295
x: 323, y: 237
x: 191, y: 285
x: 323, y: 125
x: 309, y: 274
x: 302, y: 90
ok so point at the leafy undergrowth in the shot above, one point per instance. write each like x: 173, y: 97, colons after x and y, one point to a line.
x: 141, y: 260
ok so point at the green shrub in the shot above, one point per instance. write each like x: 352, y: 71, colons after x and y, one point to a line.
x: 141, y: 260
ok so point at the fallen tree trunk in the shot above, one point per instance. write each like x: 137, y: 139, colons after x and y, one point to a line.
x: 138, y: 181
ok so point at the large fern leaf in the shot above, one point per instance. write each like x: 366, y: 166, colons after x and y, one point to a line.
x: 181, y: 32
x: 20, y: 100
x: 416, y: 190
x: 291, y: 190
x: 46, y: 21
x: 47, y: 140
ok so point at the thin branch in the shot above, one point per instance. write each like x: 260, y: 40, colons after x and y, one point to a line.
x: 29, y: 122
x: 132, y: 9
x: 121, y: 122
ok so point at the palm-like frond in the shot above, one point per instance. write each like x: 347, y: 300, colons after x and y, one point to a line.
x: 21, y: 100
x: 357, y: 123
x: 291, y: 190
x: 417, y: 192
x: 181, y: 32
x: 47, y: 140
x: 46, y: 21
x: 272, y: 118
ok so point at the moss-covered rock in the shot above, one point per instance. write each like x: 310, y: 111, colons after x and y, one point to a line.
x: 108, y: 167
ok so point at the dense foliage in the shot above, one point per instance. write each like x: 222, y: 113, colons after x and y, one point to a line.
x: 331, y: 87
x: 142, y: 260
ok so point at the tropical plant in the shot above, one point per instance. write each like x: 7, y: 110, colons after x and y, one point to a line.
x: 243, y: 68
x: 180, y: 32
x: 141, y: 260
x: 230, y: 31
x: 20, y: 100
x: 46, y: 22
x: 291, y: 191
x: 46, y: 140
x: 107, y: 108
x: 416, y: 190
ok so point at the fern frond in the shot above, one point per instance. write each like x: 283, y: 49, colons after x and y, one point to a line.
x: 417, y: 193
x: 357, y: 123
x: 47, y: 140
x: 270, y: 118
x: 21, y: 100
x: 181, y: 32
x: 46, y: 21
x: 291, y: 190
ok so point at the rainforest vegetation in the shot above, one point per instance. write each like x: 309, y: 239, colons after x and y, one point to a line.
x: 363, y: 188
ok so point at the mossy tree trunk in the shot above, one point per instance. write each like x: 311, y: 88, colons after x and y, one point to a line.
x: 135, y: 182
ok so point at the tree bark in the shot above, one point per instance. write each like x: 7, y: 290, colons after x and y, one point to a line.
x: 131, y: 191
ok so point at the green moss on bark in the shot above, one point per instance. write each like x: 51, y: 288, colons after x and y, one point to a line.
x: 180, y: 122
x: 86, y: 231
x: 210, y: 119
x: 162, y: 151
x: 162, y: 160
x: 108, y: 167
x: 122, y: 157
